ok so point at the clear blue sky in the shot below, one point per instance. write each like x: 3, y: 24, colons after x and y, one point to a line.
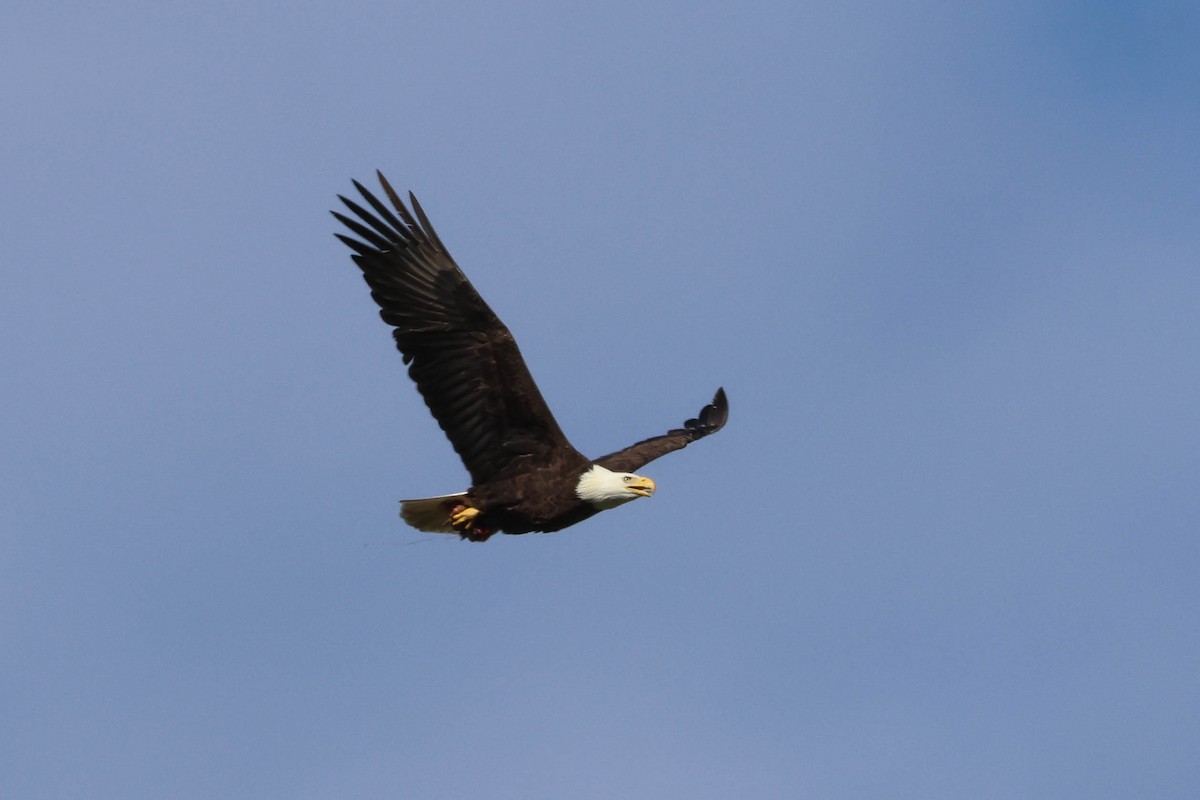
x: 943, y: 256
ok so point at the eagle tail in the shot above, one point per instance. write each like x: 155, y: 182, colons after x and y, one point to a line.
x: 431, y: 514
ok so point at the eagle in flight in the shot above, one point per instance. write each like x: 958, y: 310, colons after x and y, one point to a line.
x: 525, y: 475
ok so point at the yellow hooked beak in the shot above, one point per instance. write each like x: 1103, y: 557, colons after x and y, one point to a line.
x: 643, y: 487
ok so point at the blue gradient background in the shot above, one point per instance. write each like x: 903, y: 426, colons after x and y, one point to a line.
x: 943, y: 256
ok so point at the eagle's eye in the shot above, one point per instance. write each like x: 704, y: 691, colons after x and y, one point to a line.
x: 628, y: 478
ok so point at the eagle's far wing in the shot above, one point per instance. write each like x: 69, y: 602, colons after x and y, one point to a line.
x: 463, y: 359
x: 710, y: 420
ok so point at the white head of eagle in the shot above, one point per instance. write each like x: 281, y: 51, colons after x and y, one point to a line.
x: 604, y: 488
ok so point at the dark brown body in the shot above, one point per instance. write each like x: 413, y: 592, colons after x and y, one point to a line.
x: 537, y: 497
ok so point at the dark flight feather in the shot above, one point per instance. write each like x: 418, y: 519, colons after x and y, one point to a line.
x: 710, y: 420
x: 463, y: 359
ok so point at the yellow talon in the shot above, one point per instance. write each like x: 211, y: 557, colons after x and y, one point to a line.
x: 464, y: 518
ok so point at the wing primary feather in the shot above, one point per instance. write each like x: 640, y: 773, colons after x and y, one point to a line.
x: 411, y: 223
x: 381, y: 209
x: 366, y: 233
x: 712, y: 417
x: 426, y: 225
x: 389, y: 234
x: 358, y: 247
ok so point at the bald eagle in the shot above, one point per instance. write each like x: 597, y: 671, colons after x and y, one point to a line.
x: 525, y: 475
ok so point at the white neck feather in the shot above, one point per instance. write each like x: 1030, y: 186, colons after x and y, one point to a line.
x: 603, y: 488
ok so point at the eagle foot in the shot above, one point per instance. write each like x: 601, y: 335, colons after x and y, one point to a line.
x: 463, y: 517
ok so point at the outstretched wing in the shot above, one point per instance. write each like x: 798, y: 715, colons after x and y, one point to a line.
x: 463, y: 359
x: 710, y: 420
